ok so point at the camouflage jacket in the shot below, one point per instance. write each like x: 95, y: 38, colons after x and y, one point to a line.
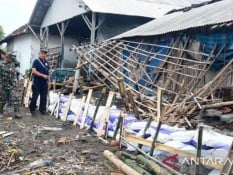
x: 1, y: 64
x: 8, y: 77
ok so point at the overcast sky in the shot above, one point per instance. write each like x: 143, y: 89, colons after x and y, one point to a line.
x: 15, y: 13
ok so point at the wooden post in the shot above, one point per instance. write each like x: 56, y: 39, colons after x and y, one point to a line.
x: 159, y: 103
x: 106, y: 113
x: 25, y: 82
x: 65, y: 114
x: 122, y: 115
x: 199, y: 147
x: 117, y: 127
x: 29, y: 89
x: 56, y: 104
x: 155, y: 138
x: 86, y: 108
x: 79, y: 110
x: 145, y: 129
x: 97, y: 108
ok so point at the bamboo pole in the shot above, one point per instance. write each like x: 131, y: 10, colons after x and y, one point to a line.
x: 135, y: 166
x: 103, y: 92
x: 155, y: 138
x: 86, y: 108
x: 119, y: 164
x: 218, y: 105
x: 149, y: 164
x: 199, y: 147
x: 162, y: 165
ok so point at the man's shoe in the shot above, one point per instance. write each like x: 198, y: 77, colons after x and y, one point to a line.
x: 1, y: 116
x: 44, y: 113
x: 18, y: 115
x: 33, y: 113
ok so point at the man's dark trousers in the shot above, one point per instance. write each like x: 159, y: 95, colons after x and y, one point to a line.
x: 42, y: 90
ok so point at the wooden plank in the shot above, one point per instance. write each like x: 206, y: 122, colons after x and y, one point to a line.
x: 123, y: 94
x: 132, y: 102
x: 86, y: 108
x: 65, y: 114
x: 159, y: 103
x: 29, y: 89
x: 56, y: 104
x: 79, y: 111
x: 25, y: 82
x: 162, y: 147
x: 105, y: 116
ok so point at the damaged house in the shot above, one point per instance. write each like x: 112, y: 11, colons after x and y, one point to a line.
x: 186, y: 55
x: 58, y: 25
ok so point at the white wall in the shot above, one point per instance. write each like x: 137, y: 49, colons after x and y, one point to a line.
x: 25, y: 48
x: 61, y: 10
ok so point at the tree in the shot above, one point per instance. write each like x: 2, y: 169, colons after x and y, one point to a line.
x: 1, y: 32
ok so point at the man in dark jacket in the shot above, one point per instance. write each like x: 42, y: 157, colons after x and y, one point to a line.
x: 40, y: 72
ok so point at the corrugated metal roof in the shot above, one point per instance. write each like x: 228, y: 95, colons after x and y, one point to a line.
x: 180, y: 3
x: 130, y: 7
x: 211, y: 14
x: 39, y: 12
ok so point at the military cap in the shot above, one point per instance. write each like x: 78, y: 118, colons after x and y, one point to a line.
x: 9, y: 54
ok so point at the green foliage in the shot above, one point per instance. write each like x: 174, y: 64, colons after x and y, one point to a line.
x: 28, y: 72
x: 1, y: 32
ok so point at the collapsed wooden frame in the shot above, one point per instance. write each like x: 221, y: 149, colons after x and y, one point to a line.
x: 178, y: 71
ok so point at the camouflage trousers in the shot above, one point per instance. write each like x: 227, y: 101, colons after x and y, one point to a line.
x: 1, y: 100
x: 10, y: 97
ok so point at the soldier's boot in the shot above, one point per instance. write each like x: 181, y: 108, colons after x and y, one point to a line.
x: 1, y: 110
x: 17, y: 113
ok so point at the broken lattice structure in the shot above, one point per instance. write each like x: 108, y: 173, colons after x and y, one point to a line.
x: 145, y: 69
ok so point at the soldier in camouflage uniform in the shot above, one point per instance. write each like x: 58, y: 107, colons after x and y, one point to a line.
x: 10, y: 85
x: 2, y: 57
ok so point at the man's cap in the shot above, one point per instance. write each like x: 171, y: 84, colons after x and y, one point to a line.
x: 45, y: 50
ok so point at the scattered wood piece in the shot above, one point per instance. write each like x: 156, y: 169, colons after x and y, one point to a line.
x: 7, y: 134
x: 105, y: 142
x: 113, y: 173
x: 2, y: 132
x: 46, y: 128
x: 63, y: 141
